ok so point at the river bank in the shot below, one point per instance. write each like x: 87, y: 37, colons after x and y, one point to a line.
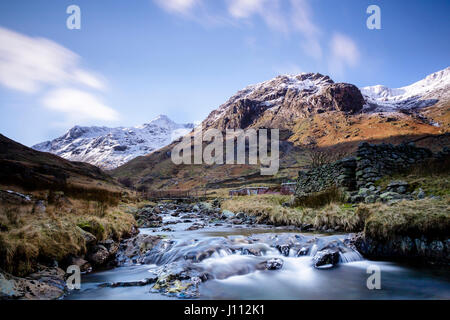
x: 198, y: 252
x: 44, y: 233
x: 186, y: 250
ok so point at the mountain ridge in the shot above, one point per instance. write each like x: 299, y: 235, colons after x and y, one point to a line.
x: 108, y: 148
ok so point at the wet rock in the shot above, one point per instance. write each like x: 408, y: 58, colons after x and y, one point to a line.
x: 228, y: 214
x: 44, y: 284
x: 84, y: 265
x: 274, y: 264
x: 326, y: 258
x: 284, y: 249
x: 240, y: 215
x: 148, y: 218
x: 303, y: 252
x: 98, y: 255
x: 195, y: 226
x: 236, y: 221
x: 134, y: 249
x: 418, y: 249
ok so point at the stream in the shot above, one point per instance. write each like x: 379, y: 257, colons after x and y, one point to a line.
x: 202, y: 259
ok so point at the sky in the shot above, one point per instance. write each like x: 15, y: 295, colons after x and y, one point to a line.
x: 133, y: 60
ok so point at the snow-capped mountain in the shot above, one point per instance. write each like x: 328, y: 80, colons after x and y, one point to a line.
x: 282, y: 101
x: 285, y: 99
x: 109, y: 148
x: 421, y: 94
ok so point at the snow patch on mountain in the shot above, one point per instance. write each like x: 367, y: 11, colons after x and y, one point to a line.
x: 109, y: 148
x: 271, y: 93
x: 423, y: 93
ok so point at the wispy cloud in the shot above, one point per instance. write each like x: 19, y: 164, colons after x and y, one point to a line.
x: 344, y: 53
x: 34, y: 65
x: 78, y: 105
x: 177, y: 6
x: 302, y: 21
x: 269, y: 10
x: 289, y: 17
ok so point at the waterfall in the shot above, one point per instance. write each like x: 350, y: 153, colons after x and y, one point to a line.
x: 350, y: 256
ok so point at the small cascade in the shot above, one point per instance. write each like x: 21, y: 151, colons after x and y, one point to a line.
x: 350, y: 256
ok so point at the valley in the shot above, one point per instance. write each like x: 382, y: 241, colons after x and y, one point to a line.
x: 97, y: 214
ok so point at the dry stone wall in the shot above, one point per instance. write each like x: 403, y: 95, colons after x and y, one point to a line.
x: 371, y: 163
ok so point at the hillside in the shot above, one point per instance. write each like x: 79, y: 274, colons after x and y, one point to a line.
x: 28, y: 169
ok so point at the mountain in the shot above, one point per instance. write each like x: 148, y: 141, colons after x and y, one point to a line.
x: 109, y: 148
x: 281, y: 101
x: 313, y: 112
x: 424, y: 93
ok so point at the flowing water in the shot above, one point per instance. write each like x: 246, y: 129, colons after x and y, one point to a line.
x: 234, y: 257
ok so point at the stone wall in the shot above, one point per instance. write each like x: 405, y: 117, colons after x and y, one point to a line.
x: 340, y: 173
x: 376, y: 161
x: 371, y: 163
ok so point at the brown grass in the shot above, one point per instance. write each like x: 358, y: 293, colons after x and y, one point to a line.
x: 28, y: 237
x: 270, y: 208
x: 427, y: 217
x: 320, y: 199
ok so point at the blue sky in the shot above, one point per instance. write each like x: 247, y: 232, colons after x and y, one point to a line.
x: 134, y: 60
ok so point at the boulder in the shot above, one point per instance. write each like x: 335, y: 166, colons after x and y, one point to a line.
x: 274, y: 264
x: 326, y: 258
x: 228, y: 214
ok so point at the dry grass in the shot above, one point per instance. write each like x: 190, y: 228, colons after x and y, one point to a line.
x: 320, y: 199
x: 270, y: 208
x: 28, y: 237
x: 428, y: 217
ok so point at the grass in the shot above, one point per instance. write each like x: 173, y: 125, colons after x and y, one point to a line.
x: 432, y: 176
x: 28, y: 237
x: 270, y: 208
x: 320, y: 199
x: 427, y: 217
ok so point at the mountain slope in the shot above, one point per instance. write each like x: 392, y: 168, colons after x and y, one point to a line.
x: 109, y: 148
x: 33, y: 170
x: 312, y: 111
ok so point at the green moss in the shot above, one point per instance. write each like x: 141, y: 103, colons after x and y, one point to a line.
x: 94, y: 227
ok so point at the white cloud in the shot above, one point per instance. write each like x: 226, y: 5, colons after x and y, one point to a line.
x: 302, y: 22
x: 26, y: 64
x: 32, y: 65
x: 268, y: 10
x: 344, y: 53
x: 78, y: 105
x: 177, y: 6
x: 245, y: 8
